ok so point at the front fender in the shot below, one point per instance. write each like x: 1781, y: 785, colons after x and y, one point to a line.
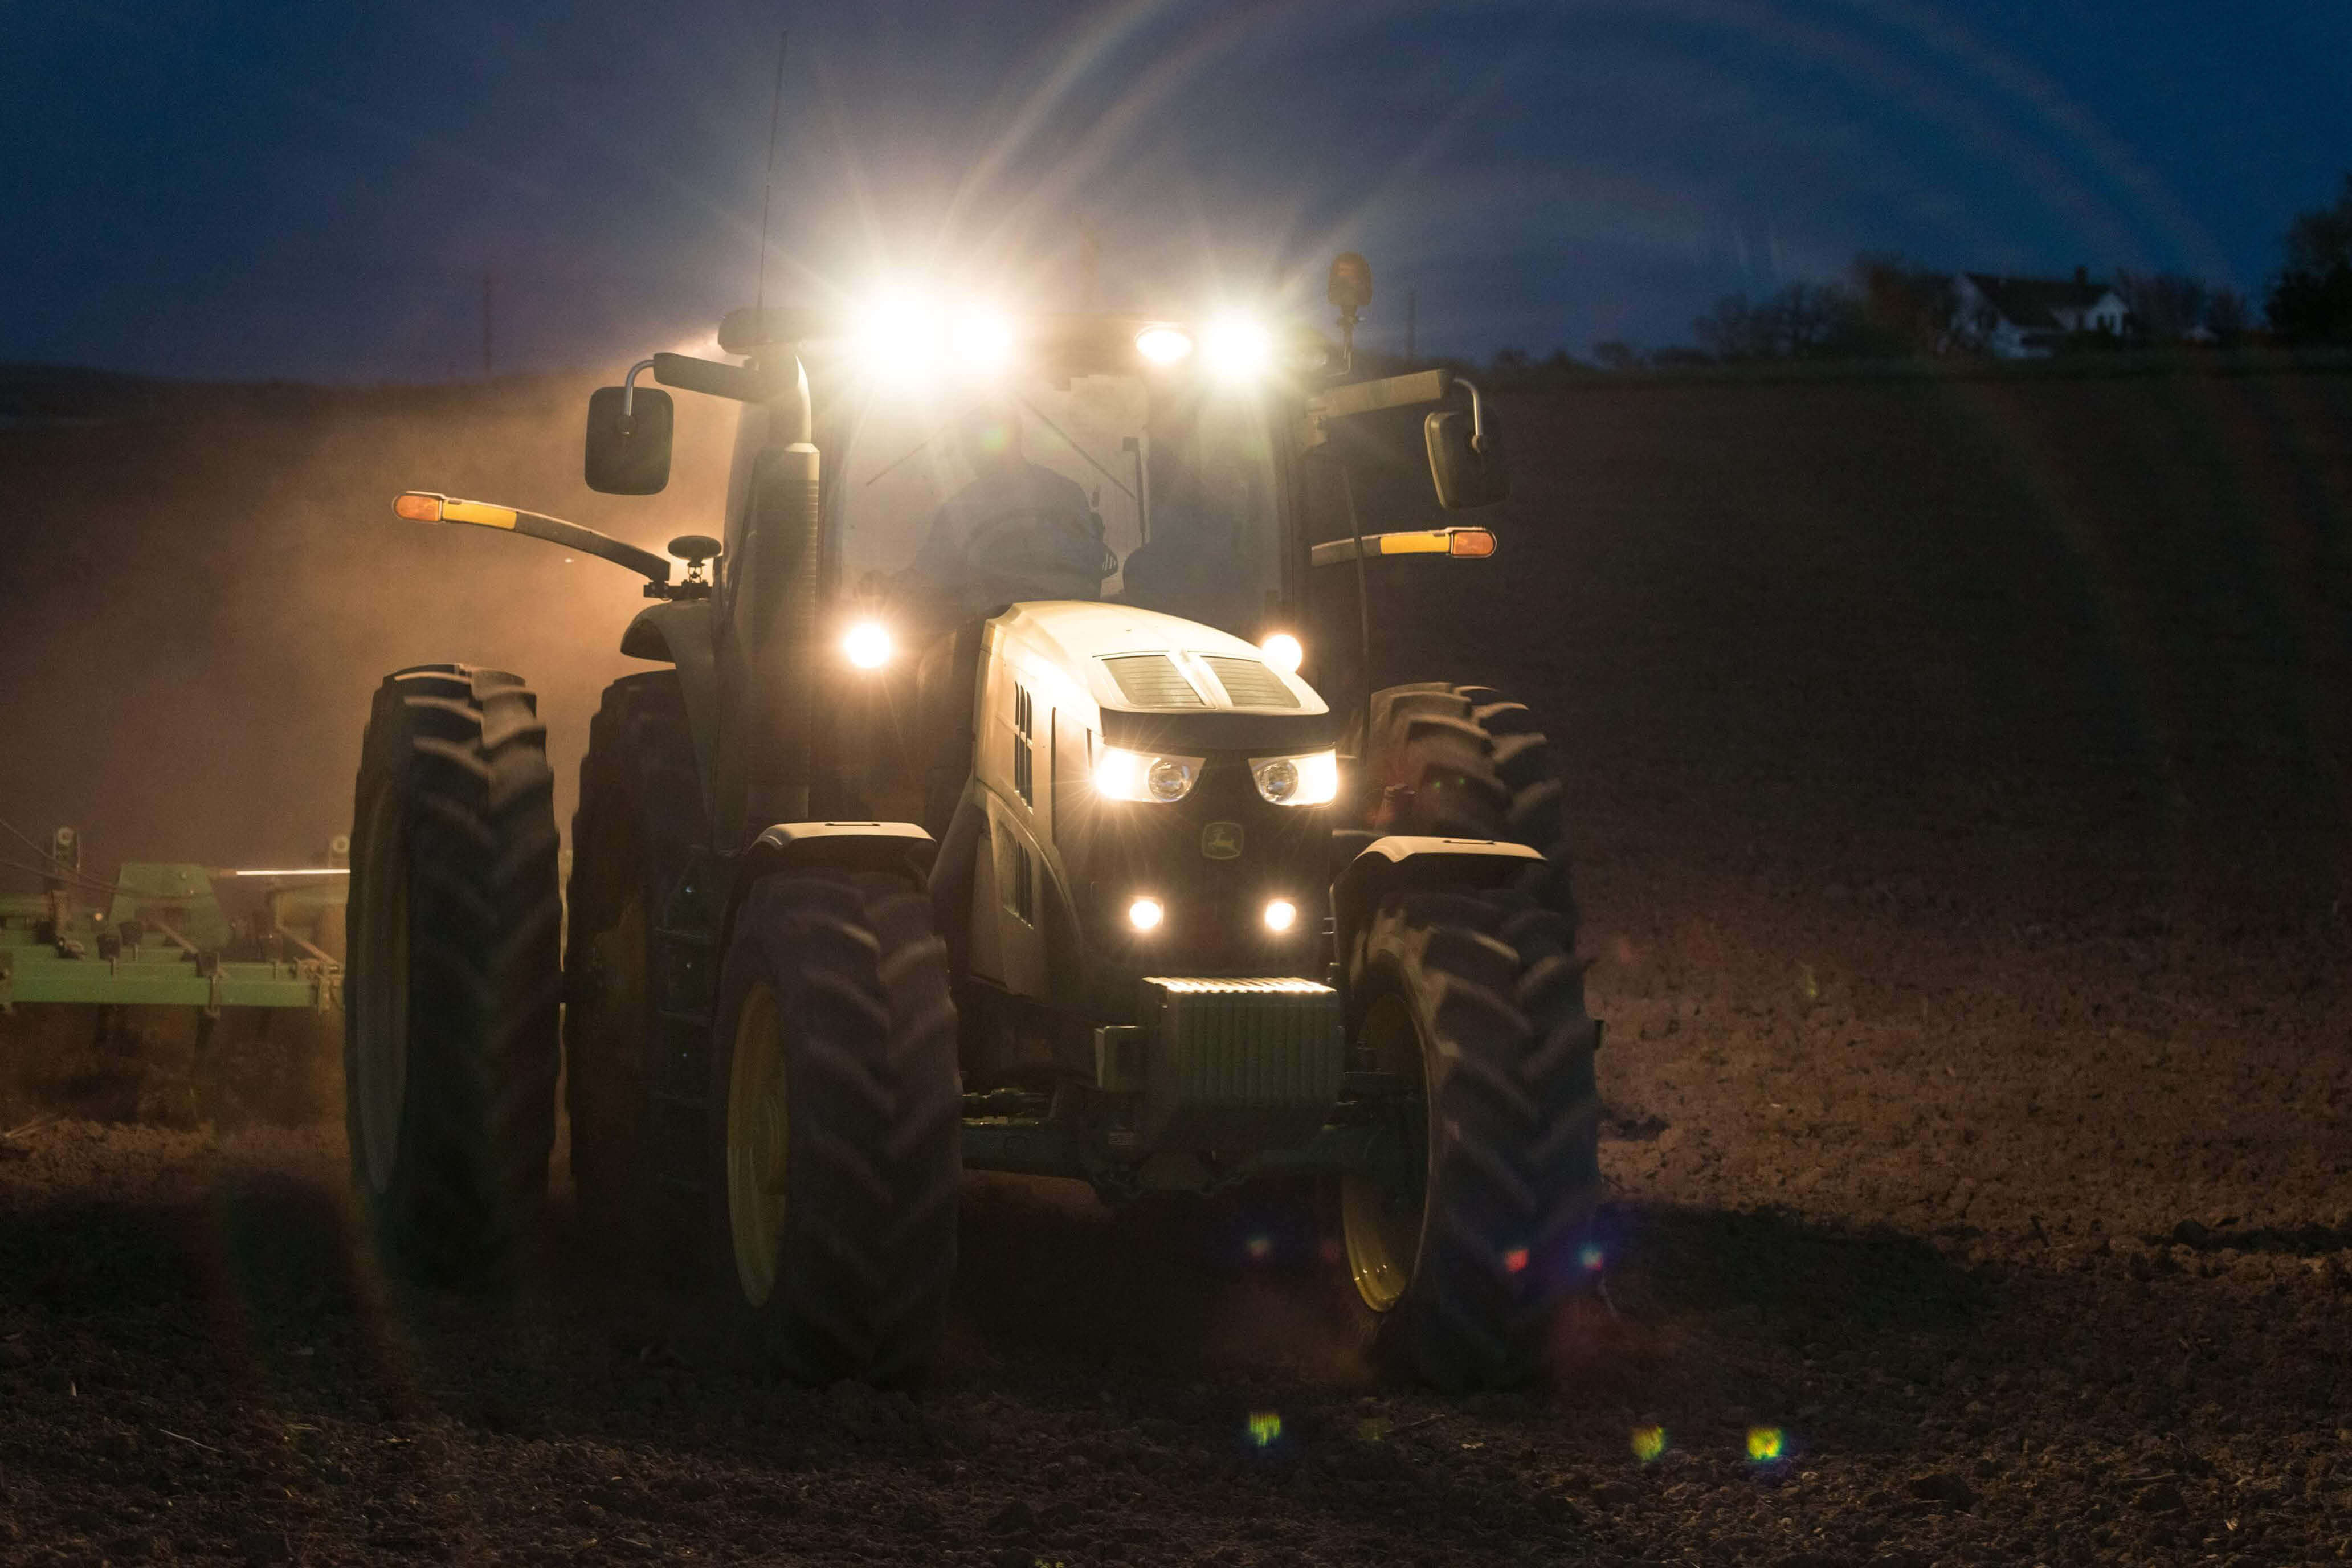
x: 1399, y: 861
x: 899, y: 848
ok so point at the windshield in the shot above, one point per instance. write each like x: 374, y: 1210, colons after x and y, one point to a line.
x: 1100, y: 487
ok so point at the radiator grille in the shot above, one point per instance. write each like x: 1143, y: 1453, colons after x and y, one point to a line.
x: 1250, y: 684
x: 1153, y: 681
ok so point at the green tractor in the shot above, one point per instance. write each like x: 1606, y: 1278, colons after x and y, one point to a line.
x: 1022, y: 791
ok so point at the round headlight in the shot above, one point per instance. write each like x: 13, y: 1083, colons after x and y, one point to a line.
x: 1168, y: 779
x: 1283, y: 651
x: 1145, y: 915
x: 1162, y: 345
x: 1281, y: 914
x: 1278, y: 780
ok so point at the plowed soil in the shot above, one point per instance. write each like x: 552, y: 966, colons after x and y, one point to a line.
x: 1959, y: 773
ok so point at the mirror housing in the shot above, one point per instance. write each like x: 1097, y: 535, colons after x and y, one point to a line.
x: 628, y: 452
x: 1465, y: 458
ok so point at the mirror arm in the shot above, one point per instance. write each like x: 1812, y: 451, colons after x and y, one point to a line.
x: 629, y: 395
x: 1477, y: 415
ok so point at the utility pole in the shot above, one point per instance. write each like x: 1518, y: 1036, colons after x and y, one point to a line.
x: 1411, y: 313
x: 489, y: 343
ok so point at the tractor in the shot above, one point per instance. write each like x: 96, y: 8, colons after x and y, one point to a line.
x: 1077, y: 832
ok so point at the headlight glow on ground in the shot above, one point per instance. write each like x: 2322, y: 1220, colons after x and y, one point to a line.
x: 867, y: 645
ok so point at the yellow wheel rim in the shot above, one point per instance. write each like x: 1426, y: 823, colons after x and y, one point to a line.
x: 1382, y: 1202
x: 759, y: 1133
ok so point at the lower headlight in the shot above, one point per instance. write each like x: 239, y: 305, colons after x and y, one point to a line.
x: 1145, y: 915
x: 1310, y: 779
x: 1281, y: 914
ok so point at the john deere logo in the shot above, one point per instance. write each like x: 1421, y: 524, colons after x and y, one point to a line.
x: 1221, y: 840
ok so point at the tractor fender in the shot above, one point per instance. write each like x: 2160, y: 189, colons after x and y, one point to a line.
x: 684, y: 634
x: 900, y: 848
x: 1386, y: 864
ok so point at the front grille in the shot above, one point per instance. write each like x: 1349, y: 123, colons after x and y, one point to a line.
x: 1250, y: 684
x: 1153, y: 681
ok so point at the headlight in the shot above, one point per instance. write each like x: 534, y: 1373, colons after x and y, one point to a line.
x: 1144, y: 776
x: 1309, y: 780
x: 867, y: 645
x: 1284, y: 652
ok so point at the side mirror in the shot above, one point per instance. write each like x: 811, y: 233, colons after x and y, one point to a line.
x: 1465, y: 458
x: 629, y: 432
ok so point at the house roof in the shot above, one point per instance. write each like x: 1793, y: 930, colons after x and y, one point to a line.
x: 2031, y: 301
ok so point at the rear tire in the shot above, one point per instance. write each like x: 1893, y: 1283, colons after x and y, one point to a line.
x: 638, y: 970
x: 833, y: 1182
x: 1469, y: 1234
x: 450, y: 1001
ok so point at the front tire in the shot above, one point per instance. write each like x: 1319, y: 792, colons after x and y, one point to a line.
x: 451, y: 998
x: 1468, y: 1226
x: 833, y: 1178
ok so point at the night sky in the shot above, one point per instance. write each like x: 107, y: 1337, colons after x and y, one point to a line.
x: 241, y: 190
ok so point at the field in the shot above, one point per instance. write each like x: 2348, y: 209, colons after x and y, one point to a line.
x: 1962, y: 779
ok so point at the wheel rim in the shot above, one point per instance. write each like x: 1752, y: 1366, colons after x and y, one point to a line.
x: 380, y: 1002
x: 759, y: 1140
x: 1382, y: 1202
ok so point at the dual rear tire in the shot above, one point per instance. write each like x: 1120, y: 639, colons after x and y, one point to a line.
x: 785, y: 1120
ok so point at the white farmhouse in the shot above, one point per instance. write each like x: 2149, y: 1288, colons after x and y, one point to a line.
x: 2024, y: 318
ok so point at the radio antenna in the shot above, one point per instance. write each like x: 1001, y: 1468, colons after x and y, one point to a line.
x: 767, y: 194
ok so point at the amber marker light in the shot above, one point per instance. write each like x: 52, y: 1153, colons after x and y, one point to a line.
x: 1469, y: 541
x: 419, y: 506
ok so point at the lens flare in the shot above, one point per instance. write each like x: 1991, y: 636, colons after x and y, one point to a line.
x: 1516, y: 1260
x: 1649, y: 1442
x: 1259, y: 1247
x: 1764, y: 1444
x: 983, y: 341
x: 1592, y: 1257
x: 1265, y: 1427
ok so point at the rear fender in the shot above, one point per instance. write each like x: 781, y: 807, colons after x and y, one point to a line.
x: 683, y: 633
x: 1399, y: 862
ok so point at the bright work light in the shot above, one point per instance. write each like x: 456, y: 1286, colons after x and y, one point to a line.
x: 1162, y: 345
x: 867, y: 645
x: 1238, y: 348
x: 1283, y: 651
x: 1281, y: 914
x: 1145, y: 915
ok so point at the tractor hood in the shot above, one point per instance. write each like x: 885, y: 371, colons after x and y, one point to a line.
x: 1156, y: 679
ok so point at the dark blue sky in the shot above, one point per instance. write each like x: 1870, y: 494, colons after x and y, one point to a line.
x: 314, y: 191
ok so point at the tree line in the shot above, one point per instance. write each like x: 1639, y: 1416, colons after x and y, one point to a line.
x: 1889, y: 307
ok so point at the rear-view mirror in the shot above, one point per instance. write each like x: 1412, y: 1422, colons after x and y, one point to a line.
x: 1465, y: 458
x: 629, y: 435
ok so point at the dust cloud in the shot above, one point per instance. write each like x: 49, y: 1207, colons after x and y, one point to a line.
x: 204, y: 587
